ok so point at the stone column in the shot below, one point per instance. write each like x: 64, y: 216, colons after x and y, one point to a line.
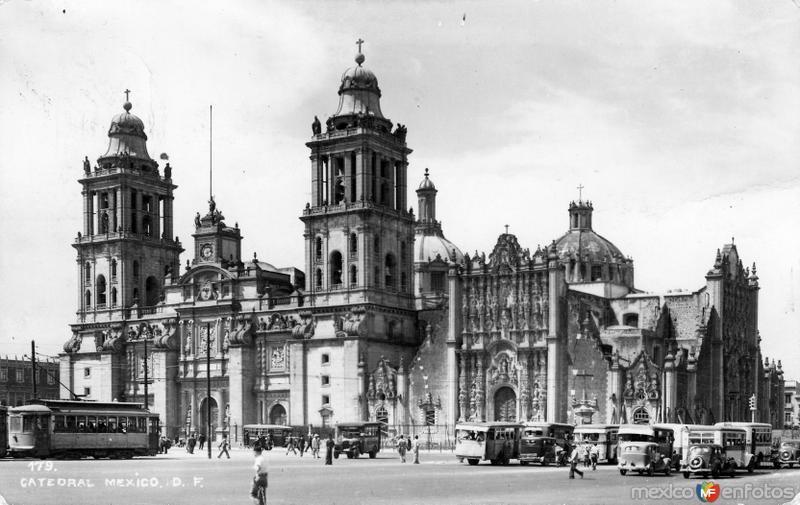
x: 156, y: 202
x: 315, y: 180
x: 348, y: 180
x: 463, y: 394
x: 360, y: 181
x: 168, y: 233
x: 691, y: 383
x: 194, y: 410
x: 139, y: 211
x: 670, y: 388
x: 555, y: 373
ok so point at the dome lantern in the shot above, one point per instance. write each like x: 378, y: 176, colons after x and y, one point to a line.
x: 127, y: 140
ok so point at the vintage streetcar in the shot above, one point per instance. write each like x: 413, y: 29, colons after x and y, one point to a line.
x: 639, y: 452
x: 539, y: 440
x: 3, y: 431
x: 493, y: 441
x: 75, y: 429
x: 355, y: 439
x: 604, y: 435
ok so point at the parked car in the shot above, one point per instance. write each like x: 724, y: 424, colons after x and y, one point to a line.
x: 638, y: 451
x: 705, y: 459
x: 789, y: 453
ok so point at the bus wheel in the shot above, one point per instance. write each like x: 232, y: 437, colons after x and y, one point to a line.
x: 523, y: 463
x: 336, y: 455
x: 651, y: 470
x: 473, y: 461
x: 544, y: 462
x: 623, y: 472
x: 372, y: 454
x: 686, y: 475
x: 667, y: 470
x: 750, y: 467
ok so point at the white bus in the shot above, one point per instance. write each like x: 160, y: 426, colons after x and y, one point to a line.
x: 759, y: 441
x: 732, y: 438
x: 604, y: 435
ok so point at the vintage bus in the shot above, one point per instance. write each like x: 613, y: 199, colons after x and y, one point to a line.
x: 274, y: 434
x: 496, y: 442
x: 538, y: 441
x: 604, y: 435
x: 674, y: 437
x: 759, y: 441
x: 74, y: 429
x: 732, y: 439
x: 357, y: 438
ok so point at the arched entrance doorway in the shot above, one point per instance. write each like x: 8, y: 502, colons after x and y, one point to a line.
x: 505, y: 405
x: 640, y: 416
x: 277, y: 415
x: 203, y: 417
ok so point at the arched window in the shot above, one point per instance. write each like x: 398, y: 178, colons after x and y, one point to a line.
x: 113, y: 297
x: 338, y: 188
x: 104, y: 223
x: 640, y: 416
x: 152, y: 291
x: 631, y: 319
x: 147, y: 226
x: 88, y: 299
x: 353, y: 244
x: 318, y: 249
x: 101, y: 290
x: 318, y: 280
x: 390, y: 274
x: 113, y: 269
x: 353, y: 275
x: 336, y: 269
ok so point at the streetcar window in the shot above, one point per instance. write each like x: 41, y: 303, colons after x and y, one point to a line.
x: 112, y: 424
x: 58, y: 425
x: 81, y: 420
x: 15, y: 424
x: 142, y: 425
x: 153, y: 425
x: 71, y: 428
x: 102, y: 426
x: 27, y: 424
x: 123, y: 425
x: 91, y: 424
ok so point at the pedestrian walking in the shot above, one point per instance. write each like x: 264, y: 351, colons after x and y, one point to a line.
x: 259, y: 490
x: 202, y: 440
x: 559, y: 455
x: 573, y: 463
x: 302, y: 445
x: 587, y: 458
x: 290, y: 446
x: 223, y: 446
x: 401, y: 448
x: 416, y: 449
x: 329, y: 444
x: 594, y: 454
x: 190, y: 444
x: 163, y: 445
x: 315, y: 446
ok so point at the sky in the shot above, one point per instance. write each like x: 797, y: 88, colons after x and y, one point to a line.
x: 680, y: 119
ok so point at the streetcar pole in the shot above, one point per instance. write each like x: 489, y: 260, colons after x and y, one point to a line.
x: 33, y: 363
x: 145, y: 372
x: 208, y: 387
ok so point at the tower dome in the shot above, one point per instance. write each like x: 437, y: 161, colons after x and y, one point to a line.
x: 359, y: 99
x: 429, y: 241
x: 126, y: 137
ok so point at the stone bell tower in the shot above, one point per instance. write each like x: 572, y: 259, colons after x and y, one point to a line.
x: 127, y: 247
x: 359, y: 231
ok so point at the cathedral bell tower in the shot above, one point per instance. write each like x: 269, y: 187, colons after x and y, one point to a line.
x: 127, y: 247
x: 358, y: 229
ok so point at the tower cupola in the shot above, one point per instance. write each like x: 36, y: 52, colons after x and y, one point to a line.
x: 580, y: 215
x: 426, y: 195
x: 127, y: 142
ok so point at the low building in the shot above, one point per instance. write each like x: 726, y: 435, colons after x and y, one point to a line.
x: 791, y: 416
x: 16, y: 380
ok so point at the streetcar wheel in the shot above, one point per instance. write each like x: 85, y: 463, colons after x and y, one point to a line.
x: 623, y: 472
x: 473, y: 461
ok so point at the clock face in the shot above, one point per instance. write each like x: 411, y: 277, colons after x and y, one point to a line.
x: 206, y: 251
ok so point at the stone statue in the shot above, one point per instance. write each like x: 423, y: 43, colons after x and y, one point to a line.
x: 212, y: 206
x: 87, y: 167
x: 316, y: 126
x: 168, y: 171
x: 197, y: 220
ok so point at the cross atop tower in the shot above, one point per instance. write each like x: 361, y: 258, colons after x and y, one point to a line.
x: 580, y: 192
x: 359, y: 42
x: 127, y: 92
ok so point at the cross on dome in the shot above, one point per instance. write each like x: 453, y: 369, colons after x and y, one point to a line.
x: 580, y: 192
x: 359, y: 56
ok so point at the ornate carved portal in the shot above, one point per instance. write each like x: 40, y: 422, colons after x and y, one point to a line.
x: 505, y: 405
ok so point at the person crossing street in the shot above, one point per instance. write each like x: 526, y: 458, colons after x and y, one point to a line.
x: 223, y: 447
x: 574, y: 458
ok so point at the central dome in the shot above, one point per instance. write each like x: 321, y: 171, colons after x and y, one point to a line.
x: 359, y: 94
x: 126, y: 136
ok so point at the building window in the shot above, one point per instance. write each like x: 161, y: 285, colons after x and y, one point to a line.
x: 326, y: 359
x: 87, y: 392
x: 318, y: 249
x: 597, y: 273
x: 326, y: 399
x: 113, y: 297
x: 376, y: 245
x: 326, y: 380
x: 631, y: 320
x: 88, y: 298
x: 3, y: 374
x: 640, y: 416
x: 403, y: 282
x: 101, y: 290
x: 353, y: 275
x: 87, y: 372
x: 50, y: 379
x: 326, y: 420
x: 336, y: 269
x: 353, y: 244
x: 437, y: 281
x: 403, y: 252
x: 20, y: 375
x: 390, y: 265
x: 113, y: 269
x: 318, y: 280
x: 135, y: 269
x: 87, y: 269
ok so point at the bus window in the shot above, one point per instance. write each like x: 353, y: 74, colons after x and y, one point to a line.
x: 123, y: 424
x: 142, y: 425
x: 112, y: 424
x: 91, y: 424
x: 58, y: 424
x: 102, y: 425
x: 71, y: 428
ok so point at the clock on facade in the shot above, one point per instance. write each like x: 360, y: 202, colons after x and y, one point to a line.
x: 206, y: 251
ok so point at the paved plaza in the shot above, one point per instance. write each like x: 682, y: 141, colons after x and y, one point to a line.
x: 180, y: 478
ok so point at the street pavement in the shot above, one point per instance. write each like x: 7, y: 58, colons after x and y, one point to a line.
x: 181, y: 478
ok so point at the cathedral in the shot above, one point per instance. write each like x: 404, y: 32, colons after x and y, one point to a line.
x: 388, y: 321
